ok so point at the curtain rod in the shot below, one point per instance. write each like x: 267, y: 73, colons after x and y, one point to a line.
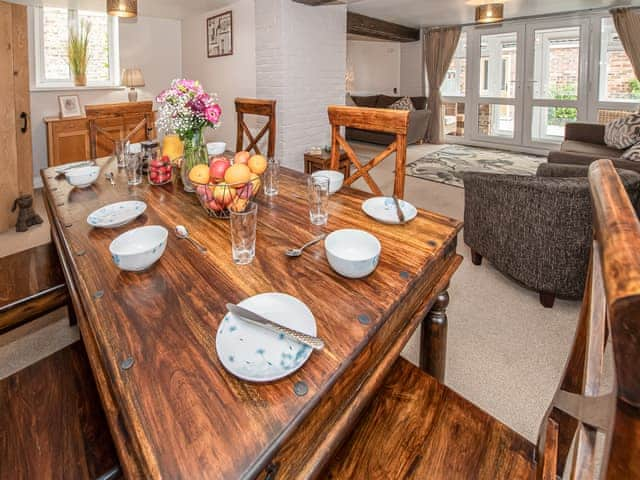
x: 530, y: 17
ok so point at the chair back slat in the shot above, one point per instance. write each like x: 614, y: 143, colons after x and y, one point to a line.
x: 395, y: 122
x: 610, y: 309
x: 262, y: 108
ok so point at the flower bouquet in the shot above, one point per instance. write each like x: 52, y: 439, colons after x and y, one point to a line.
x: 187, y: 110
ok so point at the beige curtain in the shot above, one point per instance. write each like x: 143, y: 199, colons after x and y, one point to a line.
x: 627, y: 24
x: 439, y: 46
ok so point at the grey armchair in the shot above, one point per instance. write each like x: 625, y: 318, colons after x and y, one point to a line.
x: 537, y: 230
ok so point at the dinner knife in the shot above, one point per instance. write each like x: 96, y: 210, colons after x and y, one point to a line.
x: 313, y: 342
x: 399, y: 209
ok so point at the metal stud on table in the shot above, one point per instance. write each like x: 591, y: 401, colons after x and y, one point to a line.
x: 98, y: 294
x: 405, y: 275
x: 301, y: 389
x: 127, y: 363
x: 364, y: 319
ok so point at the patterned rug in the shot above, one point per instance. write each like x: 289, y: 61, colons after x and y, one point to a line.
x: 449, y: 163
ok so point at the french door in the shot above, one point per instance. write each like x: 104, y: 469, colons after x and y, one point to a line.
x: 526, y: 81
x: 496, y: 74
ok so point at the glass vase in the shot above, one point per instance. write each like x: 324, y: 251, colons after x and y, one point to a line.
x: 195, y: 153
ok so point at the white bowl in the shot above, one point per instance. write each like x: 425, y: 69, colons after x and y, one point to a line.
x: 336, y: 179
x: 216, y: 148
x: 352, y: 253
x: 138, y: 249
x: 82, y: 177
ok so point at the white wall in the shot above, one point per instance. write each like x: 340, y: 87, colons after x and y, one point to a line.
x: 231, y: 76
x: 153, y: 44
x: 301, y: 62
x: 375, y: 66
x: 412, y: 74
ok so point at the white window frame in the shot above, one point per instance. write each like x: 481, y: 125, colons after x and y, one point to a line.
x: 114, y: 53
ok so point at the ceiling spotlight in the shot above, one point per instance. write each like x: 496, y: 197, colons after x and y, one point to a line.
x: 489, y: 13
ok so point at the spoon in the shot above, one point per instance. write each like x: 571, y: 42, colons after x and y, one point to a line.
x: 109, y: 176
x: 296, y: 252
x: 182, y: 233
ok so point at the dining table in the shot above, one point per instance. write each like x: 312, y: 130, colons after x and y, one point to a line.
x: 173, y: 410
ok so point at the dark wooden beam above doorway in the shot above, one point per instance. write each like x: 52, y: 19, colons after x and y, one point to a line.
x: 372, y: 27
x: 362, y: 25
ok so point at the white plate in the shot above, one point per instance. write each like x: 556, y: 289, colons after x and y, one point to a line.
x: 384, y: 210
x: 116, y: 214
x: 256, y: 354
x: 68, y: 166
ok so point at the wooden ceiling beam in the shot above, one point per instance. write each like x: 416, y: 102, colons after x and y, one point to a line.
x: 372, y: 27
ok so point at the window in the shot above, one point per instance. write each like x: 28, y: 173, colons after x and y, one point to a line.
x: 52, y: 28
x: 455, y: 80
x: 617, y: 80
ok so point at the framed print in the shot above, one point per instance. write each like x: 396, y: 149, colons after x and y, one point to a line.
x: 69, y: 106
x: 220, y: 35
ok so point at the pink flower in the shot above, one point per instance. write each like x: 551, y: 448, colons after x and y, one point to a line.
x: 212, y: 113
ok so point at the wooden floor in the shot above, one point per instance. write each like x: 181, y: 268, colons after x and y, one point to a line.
x: 416, y: 428
x: 51, y: 421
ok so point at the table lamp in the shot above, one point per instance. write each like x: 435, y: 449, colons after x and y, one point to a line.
x: 132, y: 78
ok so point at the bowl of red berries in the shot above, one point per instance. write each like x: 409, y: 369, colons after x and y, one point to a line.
x: 160, y: 171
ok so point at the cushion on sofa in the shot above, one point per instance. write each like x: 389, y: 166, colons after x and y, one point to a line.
x: 365, y: 101
x: 632, y: 154
x: 574, y: 146
x: 623, y: 132
x: 404, y: 103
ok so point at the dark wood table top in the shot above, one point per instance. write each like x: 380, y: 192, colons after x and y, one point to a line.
x: 184, y: 415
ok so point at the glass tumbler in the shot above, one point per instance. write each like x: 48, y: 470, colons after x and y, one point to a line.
x: 134, y: 168
x: 121, y: 149
x: 318, y: 196
x: 270, y: 177
x: 243, y: 234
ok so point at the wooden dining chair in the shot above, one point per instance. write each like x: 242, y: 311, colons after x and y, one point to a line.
x: 418, y: 428
x: 382, y: 120
x: 103, y: 133
x: 262, y: 108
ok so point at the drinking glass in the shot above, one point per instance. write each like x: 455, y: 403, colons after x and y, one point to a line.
x: 271, y: 177
x: 120, y: 152
x: 318, y: 195
x: 134, y: 168
x: 243, y: 234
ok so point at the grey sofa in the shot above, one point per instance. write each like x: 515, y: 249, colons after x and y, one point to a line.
x: 418, y: 120
x: 537, y: 230
x: 584, y: 143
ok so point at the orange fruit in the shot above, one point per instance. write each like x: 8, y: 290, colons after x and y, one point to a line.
x: 237, y: 174
x: 199, y: 174
x: 258, y: 164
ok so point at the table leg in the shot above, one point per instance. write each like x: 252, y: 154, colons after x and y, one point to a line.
x: 433, y: 341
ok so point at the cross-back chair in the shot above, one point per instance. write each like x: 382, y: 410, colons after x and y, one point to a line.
x: 374, y: 119
x: 103, y: 134
x: 418, y: 428
x: 262, y: 108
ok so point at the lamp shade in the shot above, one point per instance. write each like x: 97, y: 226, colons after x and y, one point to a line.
x: 122, y: 8
x: 132, y: 77
x: 489, y: 13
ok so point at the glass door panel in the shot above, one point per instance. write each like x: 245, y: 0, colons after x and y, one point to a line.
x: 556, y: 89
x: 498, y: 65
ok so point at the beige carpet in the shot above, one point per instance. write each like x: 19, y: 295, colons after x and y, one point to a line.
x: 505, y: 352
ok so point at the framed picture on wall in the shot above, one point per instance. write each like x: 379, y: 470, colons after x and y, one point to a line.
x: 220, y: 35
x: 69, y: 106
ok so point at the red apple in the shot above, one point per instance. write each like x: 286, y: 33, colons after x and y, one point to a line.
x: 218, y: 169
x: 246, y: 191
x: 213, y: 205
x: 242, y: 157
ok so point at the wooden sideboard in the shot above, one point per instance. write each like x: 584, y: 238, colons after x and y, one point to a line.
x: 69, y: 139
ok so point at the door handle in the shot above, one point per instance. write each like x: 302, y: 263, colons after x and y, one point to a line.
x: 25, y: 122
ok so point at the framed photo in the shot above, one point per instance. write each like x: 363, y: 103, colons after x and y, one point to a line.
x: 220, y: 35
x: 69, y: 106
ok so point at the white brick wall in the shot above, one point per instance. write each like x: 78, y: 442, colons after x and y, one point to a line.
x: 301, y: 62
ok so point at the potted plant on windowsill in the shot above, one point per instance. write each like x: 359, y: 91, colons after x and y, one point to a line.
x: 79, y: 53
